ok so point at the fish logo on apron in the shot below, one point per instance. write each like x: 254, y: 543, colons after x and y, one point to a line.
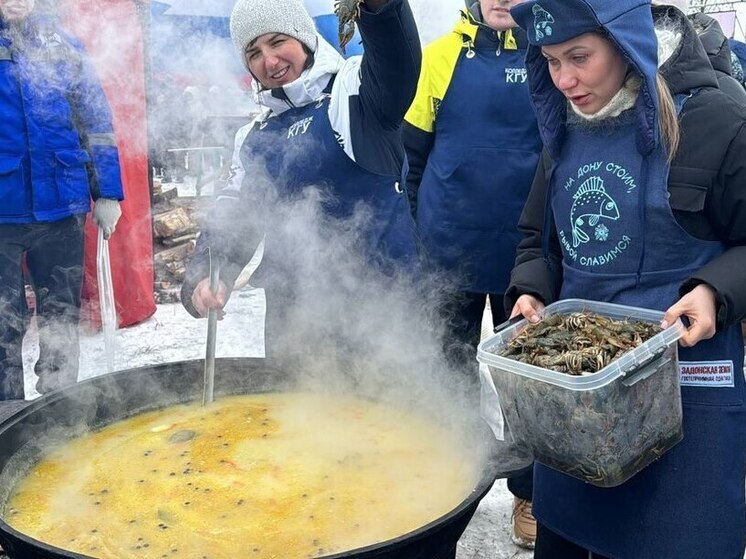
x: 595, y: 232
x: 591, y: 204
x: 543, y: 21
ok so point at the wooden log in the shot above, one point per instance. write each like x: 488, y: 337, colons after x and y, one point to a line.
x: 164, y: 196
x: 171, y: 295
x: 179, y: 240
x: 177, y: 270
x: 173, y: 223
x: 179, y: 253
x: 163, y: 276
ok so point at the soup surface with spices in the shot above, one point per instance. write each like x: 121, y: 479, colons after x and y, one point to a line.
x: 259, y: 476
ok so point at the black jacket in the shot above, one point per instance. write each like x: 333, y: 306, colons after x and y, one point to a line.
x: 718, y: 51
x: 707, y: 185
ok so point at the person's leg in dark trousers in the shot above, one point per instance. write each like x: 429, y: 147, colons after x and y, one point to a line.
x: 12, y: 310
x: 463, y: 314
x: 275, y: 319
x: 553, y: 546
x: 55, y: 263
x: 279, y: 334
x: 175, y: 166
x: 521, y: 485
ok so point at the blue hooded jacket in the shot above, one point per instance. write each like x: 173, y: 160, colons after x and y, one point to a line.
x: 57, y: 146
x: 550, y: 22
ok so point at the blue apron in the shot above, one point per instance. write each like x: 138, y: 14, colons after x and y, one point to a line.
x: 477, y: 177
x: 301, y: 149
x: 622, y: 244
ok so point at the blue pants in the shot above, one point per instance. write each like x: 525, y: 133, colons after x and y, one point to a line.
x: 54, y: 258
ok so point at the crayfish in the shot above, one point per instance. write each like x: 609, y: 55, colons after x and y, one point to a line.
x: 347, y: 11
x: 579, y: 343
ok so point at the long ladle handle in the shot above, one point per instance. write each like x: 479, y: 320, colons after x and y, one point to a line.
x: 212, y: 327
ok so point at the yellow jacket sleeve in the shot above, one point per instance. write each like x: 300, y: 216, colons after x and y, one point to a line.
x: 438, y: 64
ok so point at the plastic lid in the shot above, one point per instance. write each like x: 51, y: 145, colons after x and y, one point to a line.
x: 626, y: 365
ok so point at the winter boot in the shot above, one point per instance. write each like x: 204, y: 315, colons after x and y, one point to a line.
x: 524, y: 524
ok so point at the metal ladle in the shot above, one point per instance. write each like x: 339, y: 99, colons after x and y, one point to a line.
x: 212, y: 327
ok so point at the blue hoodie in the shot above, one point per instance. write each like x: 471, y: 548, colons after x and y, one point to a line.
x: 629, y: 26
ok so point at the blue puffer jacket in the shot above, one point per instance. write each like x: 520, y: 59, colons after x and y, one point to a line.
x: 57, y: 147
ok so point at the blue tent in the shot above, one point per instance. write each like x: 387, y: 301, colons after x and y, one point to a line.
x: 191, y: 48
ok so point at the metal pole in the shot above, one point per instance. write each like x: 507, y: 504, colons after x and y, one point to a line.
x: 106, y: 299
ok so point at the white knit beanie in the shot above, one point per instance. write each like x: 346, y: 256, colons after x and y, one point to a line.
x: 252, y: 18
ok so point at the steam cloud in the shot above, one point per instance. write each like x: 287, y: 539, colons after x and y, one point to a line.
x: 349, y: 325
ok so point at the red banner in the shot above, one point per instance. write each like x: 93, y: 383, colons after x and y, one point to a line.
x: 113, y: 35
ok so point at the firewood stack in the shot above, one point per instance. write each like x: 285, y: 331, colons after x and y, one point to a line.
x: 175, y: 226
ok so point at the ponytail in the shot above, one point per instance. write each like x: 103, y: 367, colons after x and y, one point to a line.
x: 668, y: 118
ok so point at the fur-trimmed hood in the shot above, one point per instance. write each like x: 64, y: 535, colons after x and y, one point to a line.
x: 688, y: 68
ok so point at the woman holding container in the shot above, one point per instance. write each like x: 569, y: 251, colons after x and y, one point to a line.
x: 640, y: 199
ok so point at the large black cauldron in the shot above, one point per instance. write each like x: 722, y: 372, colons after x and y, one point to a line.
x: 103, y: 400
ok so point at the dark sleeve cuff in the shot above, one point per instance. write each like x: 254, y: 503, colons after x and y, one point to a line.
x: 186, y: 299
x: 198, y: 268
x: 726, y: 274
x: 721, y: 304
x: 533, y: 277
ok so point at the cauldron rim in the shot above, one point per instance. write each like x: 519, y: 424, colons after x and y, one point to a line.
x: 10, y: 537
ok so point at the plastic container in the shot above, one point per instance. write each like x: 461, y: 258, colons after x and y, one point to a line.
x: 601, y: 428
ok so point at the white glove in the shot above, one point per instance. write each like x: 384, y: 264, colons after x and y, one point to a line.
x: 106, y: 213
